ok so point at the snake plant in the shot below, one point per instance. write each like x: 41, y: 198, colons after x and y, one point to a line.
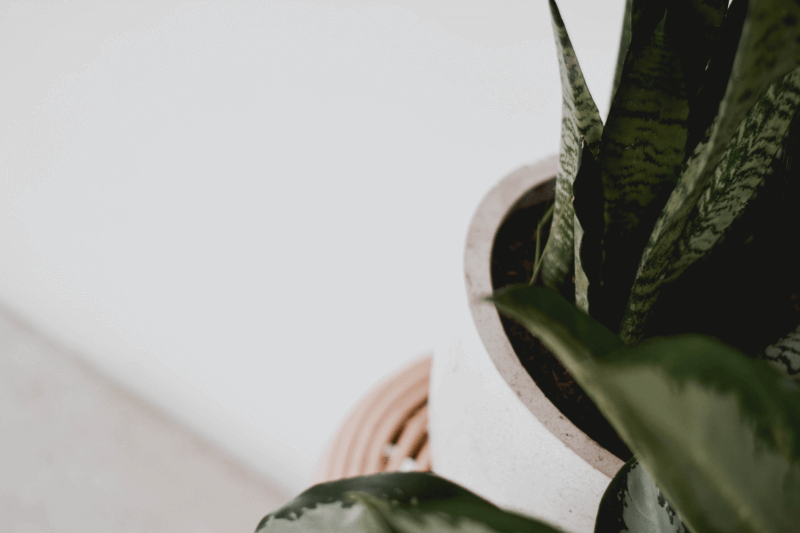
x: 677, y: 215
x: 693, y: 170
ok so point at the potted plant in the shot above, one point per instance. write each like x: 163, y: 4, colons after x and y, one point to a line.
x: 492, y: 429
x: 712, y: 262
x: 671, y: 217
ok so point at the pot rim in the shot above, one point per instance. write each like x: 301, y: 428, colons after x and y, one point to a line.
x: 490, y: 215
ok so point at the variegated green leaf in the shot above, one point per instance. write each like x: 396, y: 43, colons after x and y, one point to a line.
x: 695, y: 26
x: 719, y: 432
x: 703, y: 106
x: 740, y: 171
x: 678, y: 243
x: 580, y: 121
x: 769, y: 47
x: 633, y: 503
x: 408, y: 502
x: 451, y: 517
x: 644, y: 140
x: 698, y: 21
x: 784, y: 354
x: 640, y: 157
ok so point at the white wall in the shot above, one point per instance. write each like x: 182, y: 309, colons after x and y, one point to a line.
x: 249, y: 212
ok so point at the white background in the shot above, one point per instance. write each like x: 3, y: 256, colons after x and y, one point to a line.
x: 250, y: 212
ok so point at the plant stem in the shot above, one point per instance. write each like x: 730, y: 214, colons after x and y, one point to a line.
x: 539, y: 255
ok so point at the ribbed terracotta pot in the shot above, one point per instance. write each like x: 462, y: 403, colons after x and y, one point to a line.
x: 490, y: 427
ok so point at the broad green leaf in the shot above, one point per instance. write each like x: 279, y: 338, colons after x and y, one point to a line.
x: 452, y: 517
x: 633, y: 503
x: 768, y: 49
x: 407, y: 502
x: 580, y: 122
x: 719, y: 432
x: 588, y: 189
x: 677, y: 243
x: 570, y: 333
x: 640, y: 156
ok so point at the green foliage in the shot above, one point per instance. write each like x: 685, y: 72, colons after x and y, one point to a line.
x: 633, y: 503
x: 718, y: 431
x: 394, y: 503
x: 703, y: 99
x: 701, y: 140
x: 746, y: 162
x: 640, y: 152
x: 643, y: 142
x: 580, y: 122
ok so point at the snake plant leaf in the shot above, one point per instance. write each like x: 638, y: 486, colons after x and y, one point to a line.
x: 588, y: 188
x: 740, y: 171
x: 633, y: 503
x: 580, y: 121
x: 768, y: 49
x: 785, y: 354
x: 698, y: 20
x: 719, y: 432
x: 703, y: 106
x: 640, y: 156
x: 677, y: 243
x: 624, y: 42
x: 408, y: 502
x: 695, y: 26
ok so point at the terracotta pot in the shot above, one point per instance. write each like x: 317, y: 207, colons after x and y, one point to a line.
x: 490, y: 427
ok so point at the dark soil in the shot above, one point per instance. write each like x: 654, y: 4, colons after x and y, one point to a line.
x: 513, y: 254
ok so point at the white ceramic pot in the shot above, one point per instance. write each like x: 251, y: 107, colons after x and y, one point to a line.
x: 491, y: 429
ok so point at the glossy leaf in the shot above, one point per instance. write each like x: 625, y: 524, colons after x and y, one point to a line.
x: 580, y: 121
x: 407, y: 502
x: 570, y: 333
x: 633, y: 503
x: 677, y: 244
x: 768, y: 49
x: 719, y: 432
